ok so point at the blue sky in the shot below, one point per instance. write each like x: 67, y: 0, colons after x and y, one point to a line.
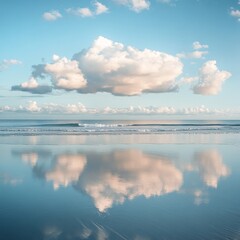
x: 157, y: 57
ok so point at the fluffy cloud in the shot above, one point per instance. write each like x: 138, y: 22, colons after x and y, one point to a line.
x: 135, y: 5
x: 8, y: 62
x: 52, y: 15
x: 65, y: 74
x: 211, y: 79
x: 33, y: 87
x: 86, y: 12
x: 123, y: 70
x: 211, y: 167
x: 109, y: 66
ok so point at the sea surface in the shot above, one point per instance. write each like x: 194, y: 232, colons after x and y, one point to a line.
x: 77, y: 127
x: 104, y: 180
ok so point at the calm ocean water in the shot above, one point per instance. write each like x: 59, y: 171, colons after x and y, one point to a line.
x: 44, y: 127
x: 119, y: 186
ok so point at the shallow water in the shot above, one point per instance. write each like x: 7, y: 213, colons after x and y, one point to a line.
x: 172, y: 186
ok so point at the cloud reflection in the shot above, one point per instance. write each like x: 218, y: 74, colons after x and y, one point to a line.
x: 112, y: 177
x: 66, y: 169
x: 120, y: 175
x: 211, y: 167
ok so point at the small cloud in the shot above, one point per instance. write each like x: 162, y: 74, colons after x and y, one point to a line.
x: 52, y: 15
x: 164, y: 1
x: 83, y: 12
x: 8, y: 62
x: 33, y: 87
x: 211, y: 79
x: 86, y: 12
x: 193, y: 55
x: 196, y: 54
x: 198, y: 45
x: 100, y: 8
x: 135, y: 5
x: 235, y: 14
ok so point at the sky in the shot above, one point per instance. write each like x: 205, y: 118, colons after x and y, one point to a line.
x: 114, y: 58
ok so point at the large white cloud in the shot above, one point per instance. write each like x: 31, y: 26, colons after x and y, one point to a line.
x: 211, y: 79
x: 109, y: 66
x: 123, y: 70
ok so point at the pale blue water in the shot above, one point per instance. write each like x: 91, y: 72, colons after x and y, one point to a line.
x: 119, y: 186
x: 77, y: 127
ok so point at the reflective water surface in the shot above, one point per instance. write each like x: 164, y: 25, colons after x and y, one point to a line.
x: 120, y: 187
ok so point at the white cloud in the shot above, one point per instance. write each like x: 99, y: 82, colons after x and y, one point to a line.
x: 100, y: 8
x: 8, y: 62
x: 123, y: 70
x: 164, y: 1
x: 79, y: 108
x: 87, y: 12
x: 83, y: 12
x: 197, y: 45
x: 235, y: 13
x: 33, y: 107
x: 211, y: 167
x: 33, y: 87
x: 195, y: 54
x: 109, y: 66
x: 135, y: 5
x: 52, y: 15
x: 211, y: 79
x: 65, y: 74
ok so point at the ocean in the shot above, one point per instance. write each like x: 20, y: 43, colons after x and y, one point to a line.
x: 66, y: 127
x: 110, y: 180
